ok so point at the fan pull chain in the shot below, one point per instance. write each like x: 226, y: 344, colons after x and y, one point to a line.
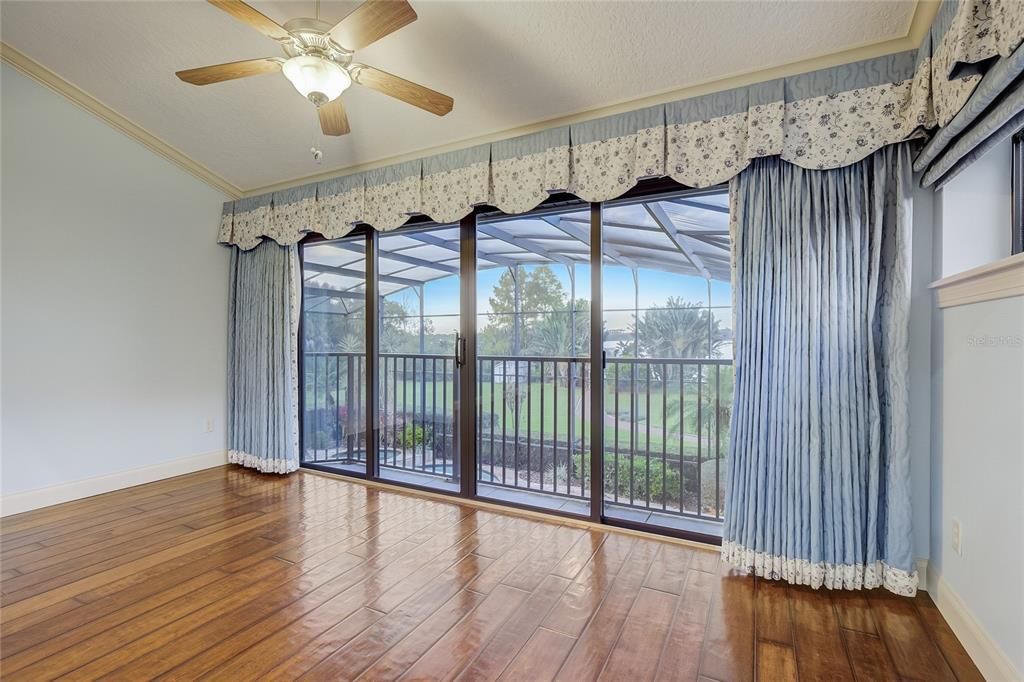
x: 314, y: 139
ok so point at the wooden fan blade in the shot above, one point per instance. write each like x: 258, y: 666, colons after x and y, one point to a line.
x: 248, y: 15
x: 371, y: 21
x: 205, y: 75
x: 333, y: 120
x: 399, y: 88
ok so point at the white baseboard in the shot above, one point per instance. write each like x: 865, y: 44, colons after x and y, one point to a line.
x: 922, y: 574
x: 76, y: 490
x: 986, y: 654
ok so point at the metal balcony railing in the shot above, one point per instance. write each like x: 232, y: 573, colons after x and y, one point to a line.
x: 666, y: 424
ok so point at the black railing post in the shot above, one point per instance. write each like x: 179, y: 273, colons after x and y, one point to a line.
x: 700, y: 439
x: 504, y: 417
x: 554, y: 426
x: 543, y: 416
x: 350, y: 401
x: 647, y: 441
x: 718, y: 441
x: 615, y: 483
x: 682, y: 439
x: 664, y: 436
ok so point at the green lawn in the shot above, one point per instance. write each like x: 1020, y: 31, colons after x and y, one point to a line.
x: 657, y: 424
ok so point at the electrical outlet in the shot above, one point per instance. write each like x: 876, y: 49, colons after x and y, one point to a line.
x: 957, y: 538
x: 208, y: 425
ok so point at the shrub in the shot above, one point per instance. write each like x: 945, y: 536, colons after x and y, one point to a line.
x: 320, y: 440
x: 658, y: 488
x: 660, y: 485
x: 412, y: 436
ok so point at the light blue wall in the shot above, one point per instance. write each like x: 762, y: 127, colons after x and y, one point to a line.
x: 981, y: 461
x: 113, y: 299
x: 977, y: 468
x: 921, y: 306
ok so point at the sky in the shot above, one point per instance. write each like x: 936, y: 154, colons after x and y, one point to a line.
x: 441, y: 296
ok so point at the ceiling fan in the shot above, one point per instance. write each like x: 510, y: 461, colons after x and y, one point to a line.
x: 318, y: 58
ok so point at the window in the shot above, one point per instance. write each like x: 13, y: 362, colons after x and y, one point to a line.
x: 334, y: 354
x: 668, y: 346
x: 533, y: 362
x: 484, y: 377
x: 418, y: 283
x: 1018, y: 192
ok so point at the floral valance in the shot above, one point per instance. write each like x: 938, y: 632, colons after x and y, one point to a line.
x: 822, y: 119
x: 974, y: 47
x: 964, y: 41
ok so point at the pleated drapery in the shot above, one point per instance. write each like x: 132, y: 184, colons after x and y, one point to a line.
x: 819, y: 484
x: 263, y: 305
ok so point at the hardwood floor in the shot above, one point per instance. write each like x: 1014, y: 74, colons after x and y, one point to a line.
x: 228, y: 574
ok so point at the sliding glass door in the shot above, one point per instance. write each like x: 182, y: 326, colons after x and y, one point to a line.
x: 668, y: 348
x: 418, y: 286
x: 533, y: 366
x: 334, y: 355
x: 475, y: 374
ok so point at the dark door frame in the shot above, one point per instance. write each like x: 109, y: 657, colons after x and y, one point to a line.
x: 372, y: 345
x: 596, y: 365
x: 465, y: 358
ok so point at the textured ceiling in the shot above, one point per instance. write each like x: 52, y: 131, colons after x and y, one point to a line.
x: 507, y: 64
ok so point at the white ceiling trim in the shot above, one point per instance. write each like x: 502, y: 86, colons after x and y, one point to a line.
x: 79, y: 97
x: 924, y: 14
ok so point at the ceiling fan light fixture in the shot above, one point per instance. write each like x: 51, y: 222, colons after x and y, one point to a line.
x: 318, y: 59
x: 317, y: 79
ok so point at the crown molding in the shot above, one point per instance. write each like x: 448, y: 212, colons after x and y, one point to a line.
x: 84, y: 100
x: 920, y: 23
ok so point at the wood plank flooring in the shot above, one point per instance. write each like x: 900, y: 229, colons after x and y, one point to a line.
x: 227, y: 574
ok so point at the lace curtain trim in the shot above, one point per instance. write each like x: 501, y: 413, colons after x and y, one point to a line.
x: 266, y: 466
x: 820, y: 574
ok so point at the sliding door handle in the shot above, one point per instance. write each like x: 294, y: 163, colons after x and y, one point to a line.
x: 460, y: 350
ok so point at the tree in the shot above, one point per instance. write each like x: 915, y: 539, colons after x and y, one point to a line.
x: 540, y: 291
x: 582, y: 327
x: 328, y: 327
x: 680, y: 329
x: 494, y: 341
x: 400, y: 328
x: 550, y: 335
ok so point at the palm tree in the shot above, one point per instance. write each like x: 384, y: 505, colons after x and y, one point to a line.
x: 550, y: 335
x: 583, y: 327
x: 680, y: 329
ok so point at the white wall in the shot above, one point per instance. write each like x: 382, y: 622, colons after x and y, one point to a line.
x: 975, y: 211
x: 113, y: 299
x: 977, y: 472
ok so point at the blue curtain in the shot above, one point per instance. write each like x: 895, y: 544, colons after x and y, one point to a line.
x: 819, y: 485
x: 263, y: 304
